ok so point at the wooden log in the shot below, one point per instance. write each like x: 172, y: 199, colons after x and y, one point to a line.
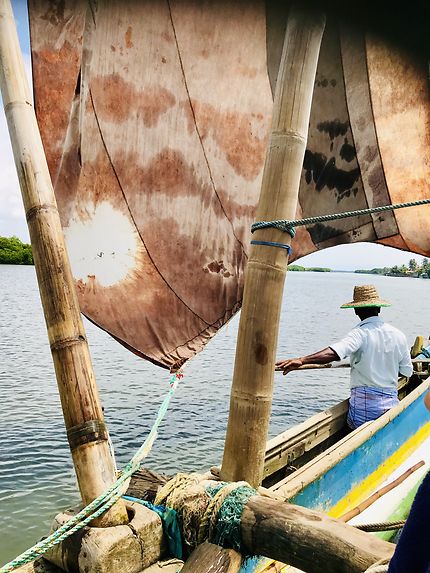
x: 308, y: 539
x: 144, y: 484
x: 83, y: 416
x: 210, y: 558
x: 251, y: 395
x: 304, y: 538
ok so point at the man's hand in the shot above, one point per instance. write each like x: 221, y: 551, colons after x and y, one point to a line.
x: 289, y: 365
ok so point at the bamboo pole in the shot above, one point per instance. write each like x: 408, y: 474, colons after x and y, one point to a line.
x: 378, y: 494
x: 251, y: 395
x: 83, y: 416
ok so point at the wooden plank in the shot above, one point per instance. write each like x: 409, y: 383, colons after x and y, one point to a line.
x: 288, y: 446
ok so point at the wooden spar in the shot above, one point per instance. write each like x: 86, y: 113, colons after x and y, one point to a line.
x: 251, y: 394
x: 307, y: 539
x: 334, y: 366
x: 378, y: 494
x: 318, y: 366
x: 210, y: 558
x: 83, y: 416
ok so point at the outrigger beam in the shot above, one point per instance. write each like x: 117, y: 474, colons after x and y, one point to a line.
x: 251, y: 394
x: 83, y: 415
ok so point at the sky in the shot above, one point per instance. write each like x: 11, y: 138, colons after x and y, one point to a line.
x: 12, y: 218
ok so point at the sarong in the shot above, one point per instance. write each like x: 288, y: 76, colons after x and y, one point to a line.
x: 368, y: 403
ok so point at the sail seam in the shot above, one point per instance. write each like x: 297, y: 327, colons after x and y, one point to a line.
x: 131, y: 214
x: 198, y: 132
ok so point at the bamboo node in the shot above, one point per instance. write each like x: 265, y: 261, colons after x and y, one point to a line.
x: 67, y: 342
x: 33, y: 212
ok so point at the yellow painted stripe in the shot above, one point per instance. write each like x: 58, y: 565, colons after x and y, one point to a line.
x: 368, y: 485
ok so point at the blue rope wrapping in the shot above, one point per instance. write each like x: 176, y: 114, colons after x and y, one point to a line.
x: 271, y: 244
x: 227, y: 529
x: 288, y: 226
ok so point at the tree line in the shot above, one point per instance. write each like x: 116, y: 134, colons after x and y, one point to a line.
x: 413, y: 269
x: 14, y: 252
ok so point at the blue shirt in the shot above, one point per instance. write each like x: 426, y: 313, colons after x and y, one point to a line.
x: 378, y: 353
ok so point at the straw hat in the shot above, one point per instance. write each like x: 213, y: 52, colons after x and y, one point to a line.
x: 365, y: 295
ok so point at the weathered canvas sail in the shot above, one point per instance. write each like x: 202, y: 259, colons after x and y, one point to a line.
x: 155, y: 117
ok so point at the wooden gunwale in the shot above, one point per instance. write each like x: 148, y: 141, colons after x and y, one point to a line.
x: 300, y: 479
x: 290, y: 446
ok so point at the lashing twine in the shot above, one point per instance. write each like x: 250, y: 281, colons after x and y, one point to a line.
x: 207, y: 510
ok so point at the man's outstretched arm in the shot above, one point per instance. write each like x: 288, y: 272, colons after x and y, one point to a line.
x: 321, y: 357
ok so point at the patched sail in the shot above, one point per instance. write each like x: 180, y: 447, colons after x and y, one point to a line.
x: 155, y: 117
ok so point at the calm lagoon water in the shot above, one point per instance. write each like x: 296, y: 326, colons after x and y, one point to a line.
x: 36, y: 474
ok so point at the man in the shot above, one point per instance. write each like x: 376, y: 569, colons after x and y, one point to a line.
x: 378, y: 354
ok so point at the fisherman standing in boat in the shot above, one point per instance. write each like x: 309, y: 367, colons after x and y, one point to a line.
x: 378, y: 354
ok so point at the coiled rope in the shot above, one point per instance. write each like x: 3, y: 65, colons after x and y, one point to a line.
x: 289, y: 226
x: 105, y: 500
x: 208, y: 510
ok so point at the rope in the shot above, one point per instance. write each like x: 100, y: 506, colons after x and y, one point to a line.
x: 210, y: 516
x: 187, y: 496
x: 104, y: 501
x: 389, y: 526
x: 288, y: 226
x: 169, y: 521
x: 380, y: 566
x: 170, y: 494
x: 226, y: 527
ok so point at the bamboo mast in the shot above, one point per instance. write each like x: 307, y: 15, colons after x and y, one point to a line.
x: 251, y: 394
x: 83, y: 416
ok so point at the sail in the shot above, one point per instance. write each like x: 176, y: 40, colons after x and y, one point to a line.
x: 155, y: 117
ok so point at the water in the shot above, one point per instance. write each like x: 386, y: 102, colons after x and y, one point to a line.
x: 36, y: 475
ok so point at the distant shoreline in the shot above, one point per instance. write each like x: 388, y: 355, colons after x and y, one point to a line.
x: 413, y: 271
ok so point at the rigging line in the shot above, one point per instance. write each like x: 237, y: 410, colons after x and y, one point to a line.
x: 288, y: 226
x: 131, y: 214
x: 198, y: 132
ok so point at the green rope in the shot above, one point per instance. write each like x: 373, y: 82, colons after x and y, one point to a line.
x: 104, y: 501
x: 227, y: 528
x: 288, y: 226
